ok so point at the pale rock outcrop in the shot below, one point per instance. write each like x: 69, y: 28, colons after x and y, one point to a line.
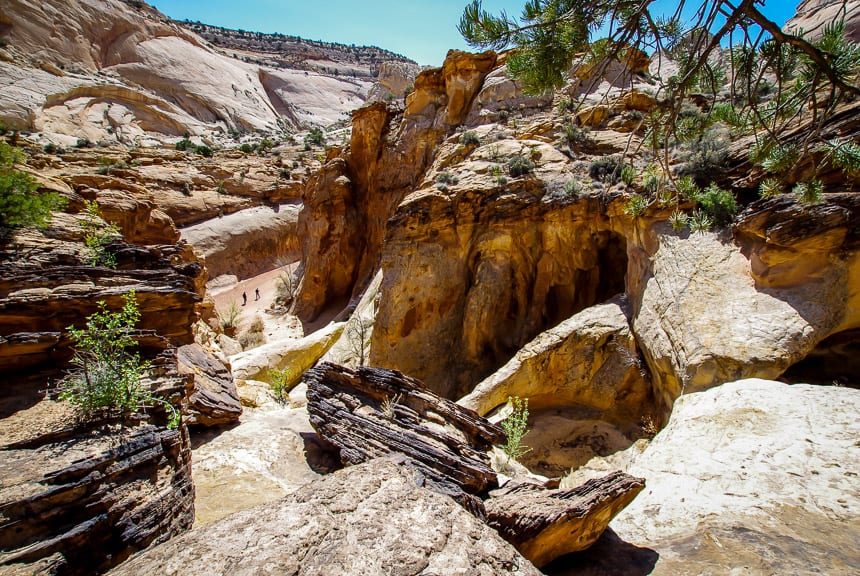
x: 811, y: 16
x: 213, y: 400
x: 395, y: 80
x: 708, y: 310
x: 370, y: 518
x: 499, y: 91
x: 294, y: 355
x: 248, y: 242
x: 754, y: 477
x: 235, y: 462
x: 464, y: 74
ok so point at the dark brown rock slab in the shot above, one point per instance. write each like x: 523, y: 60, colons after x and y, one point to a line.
x: 546, y: 524
x: 366, y: 519
x: 214, y: 399
x: 371, y: 412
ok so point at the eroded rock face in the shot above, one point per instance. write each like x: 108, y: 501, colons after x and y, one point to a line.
x: 387, y: 155
x: 77, y: 499
x: 370, y: 518
x: 750, y: 476
x: 214, y: 400
x: 811, y: 16
x: 248, y: 242
x: 395, y: 80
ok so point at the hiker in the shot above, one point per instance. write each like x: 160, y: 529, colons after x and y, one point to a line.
x: 256, y: 294
x: 244, y: 298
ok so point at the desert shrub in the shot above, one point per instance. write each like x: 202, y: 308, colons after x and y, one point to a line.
x: 97, y: 235
x: 605, y: 169
x: 565, y: 105
x: 184, y: 145
x: 678, y: 220
x: 279, y: 382
x: 516, y: 427
x: 20, y: 205
x: 253, y: 335
x: 470, y: 139
x: 686, y: 187
x: 520, y: 166
x: 83, y: 143
x: 573, y: 187
x: 315, y: 137
x: 636, y: 205
x: 203, y: 150
x: 49, y: 148
x: 446, y: 178
x: 628, y: 174
x: 286, y: 286
x: 705, y: 155
x: 576, y: 136
x: 498, y: 176
x: 699, y: 221
x: 228, y: 316
x: 358, y: 332
x: 246, y: 148
x: 720, y: 205
x: 106, y: 376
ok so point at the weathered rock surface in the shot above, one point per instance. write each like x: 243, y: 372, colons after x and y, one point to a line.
x: 214, y: 400
x: 349, y: 202
x: 248, y: 242
x: 78, y: 499
x: 134, y: 74
x: 364, y: 519
x: 235, y: 461
x: 293, y: 355
x: 711, y: 311
x: 811, y: 16
x: 370, y: 412
x: 545, y: 524
x: 395, y: 80
x: 753, y: 477
x: 589, y: 360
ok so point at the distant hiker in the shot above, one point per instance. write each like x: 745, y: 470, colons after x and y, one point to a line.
x: 244, y: 298
x: 256, y: 294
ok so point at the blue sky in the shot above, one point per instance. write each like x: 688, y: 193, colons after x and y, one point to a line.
x: 423, y: 31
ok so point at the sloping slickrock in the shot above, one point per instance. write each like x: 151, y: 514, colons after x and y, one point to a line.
x: 811, y: 16
x: 371, y: 412
x: 248, y: 242
x: 545, y: 524
x: 82, y: 498
x: 366, y: 519
x: 214, y: 399
x: 752, y: 477
x: 589, y: 360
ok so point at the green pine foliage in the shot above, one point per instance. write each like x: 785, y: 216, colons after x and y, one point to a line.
x: 20, y: 204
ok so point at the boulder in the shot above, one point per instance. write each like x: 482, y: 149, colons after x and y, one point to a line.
x: 545, y: 524
x: 754, y: 477
x: 589, y: 360
x: 371, y: 412
x: 702, y: 318
x: 214, y: 400
x: 293, y: 355
x: 373, y: 518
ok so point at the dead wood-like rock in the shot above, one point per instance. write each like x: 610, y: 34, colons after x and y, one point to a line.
x: 214, y: 400
x: 371, y: 412
x: 545, y: 524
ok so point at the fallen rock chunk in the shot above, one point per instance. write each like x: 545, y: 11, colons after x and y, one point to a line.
x: 545, y: 524
x: 371, y: 412
x: 367, y: 519
x: 214, y: 399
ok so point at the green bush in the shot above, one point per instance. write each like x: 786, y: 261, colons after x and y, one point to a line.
x: 97, y: 235
x: 446, y: 178
x: 720, y: 205
x: 705, y: 155
x: 106, y: 378
x: 184, y: 144
x: 628, y: 174
x: 636, y: 205
x: 809, y: 192
x: 203, y: 150
x: 20, y: 205
x: 246, y: 148
x: 315, y: 137
x: 605, y: 169
x: 520, y: 166
x: 470, y: 139
x: 516, y: 427
x: 678, y: 220
x: 279, y: 383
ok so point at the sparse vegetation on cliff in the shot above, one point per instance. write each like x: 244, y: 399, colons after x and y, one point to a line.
x: 105, y: 380
x: 20, y: 204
